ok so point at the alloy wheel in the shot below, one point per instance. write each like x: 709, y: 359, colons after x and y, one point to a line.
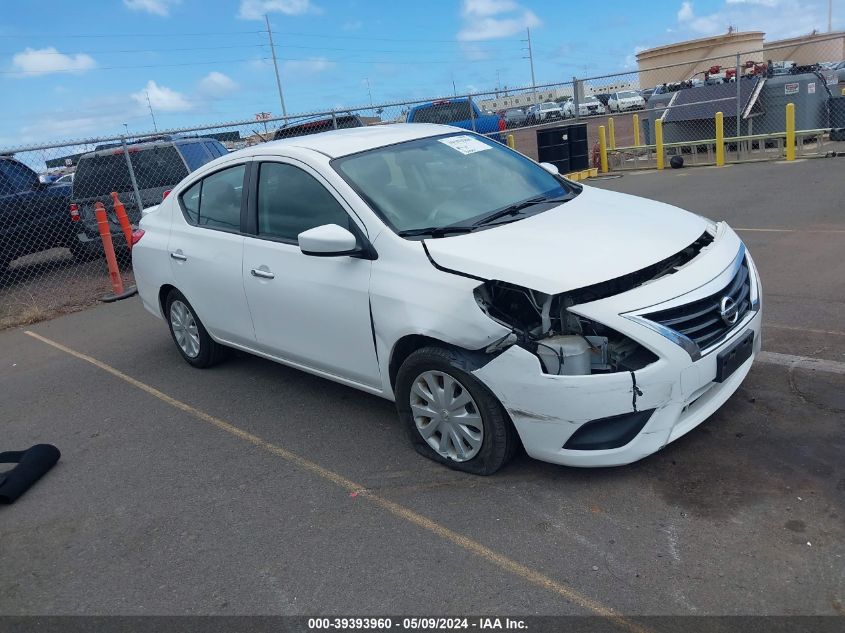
x: 185, y: 329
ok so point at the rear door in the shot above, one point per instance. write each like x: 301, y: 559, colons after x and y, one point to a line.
x: 206, y: 252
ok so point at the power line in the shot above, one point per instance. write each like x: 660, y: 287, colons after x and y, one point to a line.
x: 77, y: 70
x: 120, y: 35
x: 142, y: 50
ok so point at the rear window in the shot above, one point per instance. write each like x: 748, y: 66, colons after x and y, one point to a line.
x: 317, y: 126
x: 195, y: 154
x: 443, y: 113
x: 98, y: 175
x: 17, y: 176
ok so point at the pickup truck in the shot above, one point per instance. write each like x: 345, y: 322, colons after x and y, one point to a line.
x: 33, y: 214
x: 459, y: 113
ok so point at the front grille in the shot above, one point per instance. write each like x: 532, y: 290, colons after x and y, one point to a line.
x: 701, y: 321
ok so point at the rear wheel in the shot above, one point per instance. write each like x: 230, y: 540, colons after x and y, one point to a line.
x: 451, y: 417
x: 191, y: 338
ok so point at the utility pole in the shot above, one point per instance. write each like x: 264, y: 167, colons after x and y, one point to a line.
x: 530, y: 58
x: 829, y: 16
x: 150, y: 106
x: 276, y: 66
x: 369, y: 92
x: 454, y: 90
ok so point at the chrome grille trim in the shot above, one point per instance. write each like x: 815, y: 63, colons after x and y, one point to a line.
x: 692, y: 327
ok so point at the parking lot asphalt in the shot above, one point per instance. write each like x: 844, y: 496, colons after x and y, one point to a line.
x: 252, y: 488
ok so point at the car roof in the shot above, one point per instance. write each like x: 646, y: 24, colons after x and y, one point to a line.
x: 137, y: 147
x: 337, y: 143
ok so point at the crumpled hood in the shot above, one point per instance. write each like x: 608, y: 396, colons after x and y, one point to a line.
x: 597, y: 236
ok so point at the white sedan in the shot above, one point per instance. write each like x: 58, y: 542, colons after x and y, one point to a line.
x: 625, y: 100
x: 497, y: 303
x: 589, y: 106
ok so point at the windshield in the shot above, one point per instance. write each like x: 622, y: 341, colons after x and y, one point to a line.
x: 445, y: 180
x: 627, y: 95
x: 590, y: 99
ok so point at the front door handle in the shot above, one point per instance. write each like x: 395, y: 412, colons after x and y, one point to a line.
x: 263, y: 274
x: 179, y: 256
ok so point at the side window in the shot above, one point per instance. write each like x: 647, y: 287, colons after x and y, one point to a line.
x: 215, y: 201
x: 291, y: 201
x: 195, y: 155
x: 191, y: 202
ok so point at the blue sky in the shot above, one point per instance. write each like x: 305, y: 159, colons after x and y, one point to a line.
x: 72, y: 70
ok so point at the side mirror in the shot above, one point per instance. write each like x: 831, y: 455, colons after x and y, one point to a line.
x: 552, y: 169
x: 328, y: 240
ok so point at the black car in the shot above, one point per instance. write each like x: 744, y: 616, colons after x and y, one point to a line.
x: 316, y: 125
x: 33, y: 214
x: 158, y: 166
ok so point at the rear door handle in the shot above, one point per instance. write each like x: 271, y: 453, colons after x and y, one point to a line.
x: 263, y: 274
x: 178, y: 255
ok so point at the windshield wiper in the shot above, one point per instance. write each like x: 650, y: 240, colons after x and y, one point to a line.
x: 515, y: 209
x: 437, y: 231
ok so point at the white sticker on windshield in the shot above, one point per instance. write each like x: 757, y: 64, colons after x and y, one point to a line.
x: 465, y: 144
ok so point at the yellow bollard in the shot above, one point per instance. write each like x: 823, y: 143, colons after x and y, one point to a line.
x: 843, y: 92
x: 720, y: 139
x: 611, y: 131
x: 658, y: 143
x: 511, y: 142
x: 790, y: 131
x: 603, y: 149
x: 636, y: 121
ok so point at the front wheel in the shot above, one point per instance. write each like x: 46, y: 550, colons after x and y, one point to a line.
x: 451, y: 417
x: 191, y: 338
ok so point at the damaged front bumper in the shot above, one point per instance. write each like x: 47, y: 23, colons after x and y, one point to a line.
x: 640, y: 411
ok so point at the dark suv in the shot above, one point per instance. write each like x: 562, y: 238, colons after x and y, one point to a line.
x: 317, y: 125
x: 158, y: 166
x: 33, y: 215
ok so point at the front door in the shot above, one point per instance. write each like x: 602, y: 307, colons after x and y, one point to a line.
x: 312, y: 311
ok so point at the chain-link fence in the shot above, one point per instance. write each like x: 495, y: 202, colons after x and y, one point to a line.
x: 670, y: 114
x: 51, y: 249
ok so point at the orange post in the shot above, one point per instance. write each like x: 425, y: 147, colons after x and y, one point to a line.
x: 108, y: 247
x: 120, y: 212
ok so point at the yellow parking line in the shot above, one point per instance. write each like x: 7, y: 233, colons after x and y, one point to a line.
x: 474, y: 547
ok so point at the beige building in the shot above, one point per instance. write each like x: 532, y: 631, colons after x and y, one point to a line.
x: 808, y: 49
x: 684, y: 60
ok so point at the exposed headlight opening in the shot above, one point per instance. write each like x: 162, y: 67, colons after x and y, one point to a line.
x: 565, y: 343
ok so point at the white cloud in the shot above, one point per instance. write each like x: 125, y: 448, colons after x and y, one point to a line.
x: 43, y: 61
x: 255, y: 9
x: 631, y: 60
x: 777, y: 18
x: 156, y: 7
x: 702, y: 25
x: 216, y: 83
x: 162, y: 98
x: 494, y: 19
x: 352, y: 25
x: 308, y: 66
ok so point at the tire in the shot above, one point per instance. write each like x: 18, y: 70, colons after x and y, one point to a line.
x: 485, y: 415
x: 197, y: 348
